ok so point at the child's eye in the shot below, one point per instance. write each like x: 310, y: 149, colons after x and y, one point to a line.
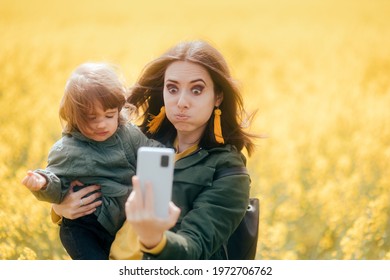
x: 110, y: 114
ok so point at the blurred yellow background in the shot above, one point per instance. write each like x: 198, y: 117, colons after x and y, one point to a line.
x: 317, y: 71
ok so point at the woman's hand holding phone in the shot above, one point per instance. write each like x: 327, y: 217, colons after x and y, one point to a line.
x: 140, y: 213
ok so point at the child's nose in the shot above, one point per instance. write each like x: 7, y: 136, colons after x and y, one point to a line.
x: 101, y: 124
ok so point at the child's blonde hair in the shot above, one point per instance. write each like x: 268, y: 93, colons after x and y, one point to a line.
x: 91, y: 83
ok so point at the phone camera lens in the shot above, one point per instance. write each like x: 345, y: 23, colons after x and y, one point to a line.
x: 164, y: 161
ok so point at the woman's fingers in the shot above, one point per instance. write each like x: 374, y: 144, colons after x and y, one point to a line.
x: 89, y: 203
x: 76, y: 183
x: 84, y: 200
x: 144, y: 200
x: 134, y: 204
x: 174, y: 213
x: 140, y: 207
x: 140, y: 214
x: 89, y: 191
x: 79, y: 203
x: 137, y: 196
x: 149, y: 199
x: 86, y: 209
x: 85, y: 205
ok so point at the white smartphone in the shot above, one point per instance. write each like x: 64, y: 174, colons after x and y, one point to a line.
x: 156, y: 165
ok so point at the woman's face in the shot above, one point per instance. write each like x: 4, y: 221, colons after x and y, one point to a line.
x: 189, y: 97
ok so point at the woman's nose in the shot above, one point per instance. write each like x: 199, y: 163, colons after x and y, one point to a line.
x: 183, y: 100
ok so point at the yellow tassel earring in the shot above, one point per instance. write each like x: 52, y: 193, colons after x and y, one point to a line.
x: 217, y: 126
x: 156, y: 121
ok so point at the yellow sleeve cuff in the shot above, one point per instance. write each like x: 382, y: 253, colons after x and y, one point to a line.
x: 125, y: 245
x: 55, y: 218
x: 157, y: 249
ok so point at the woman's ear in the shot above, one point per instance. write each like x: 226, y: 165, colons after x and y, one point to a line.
x: 218, y: 99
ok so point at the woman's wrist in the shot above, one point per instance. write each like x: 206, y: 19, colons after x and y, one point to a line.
x: 156, y: 249
x: 151, y: 241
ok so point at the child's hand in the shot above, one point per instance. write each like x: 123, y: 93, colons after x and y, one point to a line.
x: 34, y: 181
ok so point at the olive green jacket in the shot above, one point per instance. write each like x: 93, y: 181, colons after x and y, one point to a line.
x: 110, y: 164
x: 210, y: 209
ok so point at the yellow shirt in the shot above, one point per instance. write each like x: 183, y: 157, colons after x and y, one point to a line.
x: 126, y: 245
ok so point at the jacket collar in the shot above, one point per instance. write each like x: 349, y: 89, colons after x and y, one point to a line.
x: 199, y: 155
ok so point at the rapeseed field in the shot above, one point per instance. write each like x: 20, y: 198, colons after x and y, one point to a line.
x: 317, y: 72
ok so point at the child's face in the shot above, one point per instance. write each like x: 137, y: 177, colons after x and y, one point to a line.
x: 101, y: 124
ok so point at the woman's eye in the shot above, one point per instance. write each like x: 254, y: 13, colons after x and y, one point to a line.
x: 197, y: 90
x: 172, y: 89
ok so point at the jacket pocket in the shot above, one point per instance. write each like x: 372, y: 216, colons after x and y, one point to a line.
x: 188, y: 184
x: 201, y: 176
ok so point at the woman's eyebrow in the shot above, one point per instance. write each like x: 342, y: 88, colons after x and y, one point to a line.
x: 191, y: 82
x: 198, y: 80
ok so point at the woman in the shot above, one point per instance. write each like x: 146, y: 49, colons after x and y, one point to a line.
x: 189, y: 101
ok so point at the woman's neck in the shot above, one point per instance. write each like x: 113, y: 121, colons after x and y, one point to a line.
x: 185, y: 141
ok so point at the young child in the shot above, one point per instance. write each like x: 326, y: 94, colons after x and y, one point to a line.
x: 97, y: 147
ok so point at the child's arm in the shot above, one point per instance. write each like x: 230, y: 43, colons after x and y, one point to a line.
x: 54, y: 187
x: 44, y: 185
x: 138, y: 139
x: 34, y: 181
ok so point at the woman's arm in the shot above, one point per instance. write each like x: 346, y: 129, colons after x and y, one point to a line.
x: 215, y: 213
x: 212, y: 216
x: 140, y: 214
x: 75, y: 205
